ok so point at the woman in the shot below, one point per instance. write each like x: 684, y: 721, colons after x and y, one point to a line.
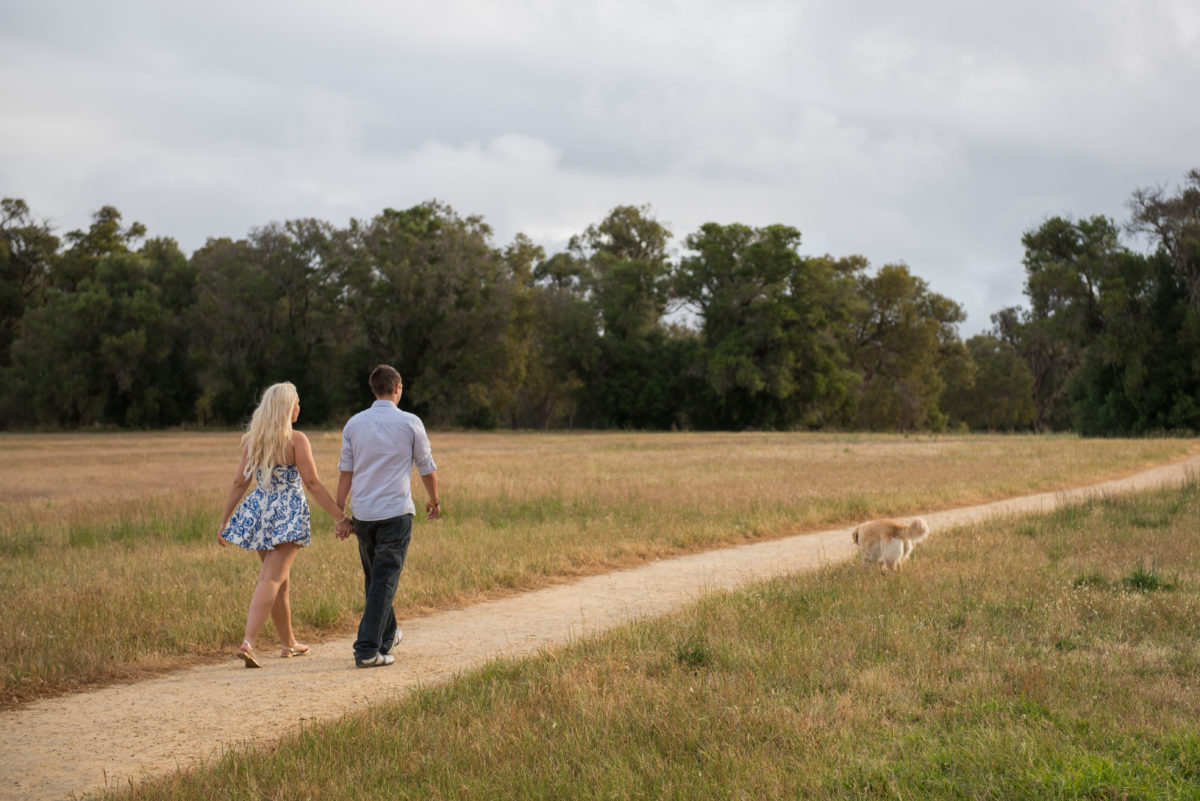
x: 273, y: 519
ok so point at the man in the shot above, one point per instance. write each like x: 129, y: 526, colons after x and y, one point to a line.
x: 380, y: 445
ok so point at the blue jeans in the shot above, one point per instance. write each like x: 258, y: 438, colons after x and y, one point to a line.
x: 382, y: 546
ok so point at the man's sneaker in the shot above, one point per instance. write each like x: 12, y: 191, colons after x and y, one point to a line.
x: 379, y: 660
x: 395, y: 641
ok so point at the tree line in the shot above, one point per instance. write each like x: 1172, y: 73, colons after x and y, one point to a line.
x: 110, y: 326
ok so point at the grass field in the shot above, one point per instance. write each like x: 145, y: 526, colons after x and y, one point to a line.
x: 109, y: 566
x: 1053, y: 657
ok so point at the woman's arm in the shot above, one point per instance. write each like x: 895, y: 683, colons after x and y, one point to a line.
x: 312, y: 482
x: 236, y: 490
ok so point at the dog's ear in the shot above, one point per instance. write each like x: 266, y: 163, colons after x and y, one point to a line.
x: 854, y: 536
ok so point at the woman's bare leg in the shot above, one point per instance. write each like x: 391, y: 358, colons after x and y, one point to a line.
x: 281, y: 610
x: 276, y: 566
x: 281, y: 616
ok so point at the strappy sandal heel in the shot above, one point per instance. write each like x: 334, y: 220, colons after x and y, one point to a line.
x: 246, y: 654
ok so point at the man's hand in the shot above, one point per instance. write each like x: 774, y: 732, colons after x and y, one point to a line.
x: 344, y: 528
x: 433, y: 510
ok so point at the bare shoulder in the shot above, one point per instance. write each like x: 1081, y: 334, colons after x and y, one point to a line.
x: 299, y: 440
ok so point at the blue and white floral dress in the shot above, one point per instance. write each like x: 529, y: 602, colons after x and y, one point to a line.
x: 276, y: 511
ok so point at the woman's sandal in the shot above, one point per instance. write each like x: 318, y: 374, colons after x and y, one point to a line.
x: 246, y: 653
x: 299, y: 649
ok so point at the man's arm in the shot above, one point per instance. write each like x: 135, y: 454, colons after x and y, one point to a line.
x: 345, y: 481
x: 434, y: 505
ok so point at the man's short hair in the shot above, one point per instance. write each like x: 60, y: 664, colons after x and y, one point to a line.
x: 384, y: 380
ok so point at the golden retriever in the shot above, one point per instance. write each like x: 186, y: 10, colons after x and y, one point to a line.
x: 888, y: 542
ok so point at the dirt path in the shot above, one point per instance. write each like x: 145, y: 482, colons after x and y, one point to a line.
x: 117, y: 735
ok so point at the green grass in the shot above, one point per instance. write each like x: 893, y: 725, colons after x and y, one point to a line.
x: 986, y: 670
x: 1146, y: 579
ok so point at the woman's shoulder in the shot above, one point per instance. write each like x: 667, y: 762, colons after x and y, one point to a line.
x: 299, y: 439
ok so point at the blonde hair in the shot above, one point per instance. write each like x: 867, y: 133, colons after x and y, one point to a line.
x: 270, y: 430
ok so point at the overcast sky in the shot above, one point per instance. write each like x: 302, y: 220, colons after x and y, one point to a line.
x: 929, y: 132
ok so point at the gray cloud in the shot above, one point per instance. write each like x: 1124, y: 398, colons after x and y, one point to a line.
x: 931, y: 132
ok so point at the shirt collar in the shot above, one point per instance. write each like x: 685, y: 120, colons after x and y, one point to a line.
x: 382, y: 402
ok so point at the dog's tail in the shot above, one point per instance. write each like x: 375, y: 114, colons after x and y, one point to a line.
x: 918, y: 529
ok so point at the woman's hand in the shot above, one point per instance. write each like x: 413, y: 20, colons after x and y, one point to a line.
x: 236, y: 490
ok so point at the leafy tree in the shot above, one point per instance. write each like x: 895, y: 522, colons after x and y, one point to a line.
x: 268, y: 309
x: 901, y: 336
x: 1174, y: 224
x: 1169, y: 371
x: 109, y: 344
x: 1049, y: 359
x: 996, y: 394
x: 296, y: 259
x: 1108, y: 336
x: 1066, y: 264
x: 429, y: 294
x: 770, y: 322
x: 562, y: 342
x: 624, y: 265
x: 1139, y: 375
x: 104, y: 237
x: 234, y: 320
x: 26, y: 250
x: 1113, y: 334
x: 621, y: 268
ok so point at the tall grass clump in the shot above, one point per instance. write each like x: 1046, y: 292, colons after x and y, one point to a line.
x: 109, y: 541
x: 1147, y: 579
x: 982, y: 671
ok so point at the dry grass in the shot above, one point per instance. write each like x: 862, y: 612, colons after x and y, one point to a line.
x: 48, y: 478
x: 1052, y: 657
x: 107, y: 541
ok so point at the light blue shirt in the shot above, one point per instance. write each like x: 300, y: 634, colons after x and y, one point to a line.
x: 380, y: 445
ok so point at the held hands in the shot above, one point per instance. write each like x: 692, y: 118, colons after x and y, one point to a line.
x: 344, y: 527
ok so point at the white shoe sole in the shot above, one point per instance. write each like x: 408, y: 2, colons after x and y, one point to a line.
x: 379, y: 660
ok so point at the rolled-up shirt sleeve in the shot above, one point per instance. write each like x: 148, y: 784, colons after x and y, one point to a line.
x: 346, y: 461
x: 422, y: 452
